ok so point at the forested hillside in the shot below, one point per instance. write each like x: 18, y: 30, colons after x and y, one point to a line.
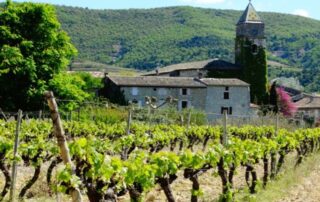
x: 147, y: 38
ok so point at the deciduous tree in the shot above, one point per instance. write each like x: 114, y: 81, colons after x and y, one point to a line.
x: 33, y: 48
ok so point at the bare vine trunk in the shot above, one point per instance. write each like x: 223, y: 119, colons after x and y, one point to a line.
x: 251, y: 171
x: 226, y: 187
x: 31, y: 181
x: 7, y: 176
x: 165, y: 185
x: 273, y: 165
x: 265, y: 171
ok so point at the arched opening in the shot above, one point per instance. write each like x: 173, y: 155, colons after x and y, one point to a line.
x: 254, y: 49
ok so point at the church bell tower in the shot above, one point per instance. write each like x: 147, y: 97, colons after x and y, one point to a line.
x: 250, y: 53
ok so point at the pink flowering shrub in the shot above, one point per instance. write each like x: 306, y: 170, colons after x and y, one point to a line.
x: 286, y: 106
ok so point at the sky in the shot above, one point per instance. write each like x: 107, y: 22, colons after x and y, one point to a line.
x: 306, y: 8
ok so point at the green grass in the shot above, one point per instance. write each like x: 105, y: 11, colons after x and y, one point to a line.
x: 290, y: 177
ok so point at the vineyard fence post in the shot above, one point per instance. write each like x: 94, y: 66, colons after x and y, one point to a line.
x: 40, y: 115
x: 225, y: 133
x: 58, y: 197
x: 189, y: 118
x: 277, y: 124
x: 4, y: 116
x: 61, y: 139
x: 181, y: 119
x: 15, y: 151
x: 129, y: 122
x: 301, y: 121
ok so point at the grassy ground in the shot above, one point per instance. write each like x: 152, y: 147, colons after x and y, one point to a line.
x: 290, y: 185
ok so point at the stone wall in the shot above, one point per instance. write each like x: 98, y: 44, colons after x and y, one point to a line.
x: 239, y: 100
x: 195, y: 96
x: 210, y: 99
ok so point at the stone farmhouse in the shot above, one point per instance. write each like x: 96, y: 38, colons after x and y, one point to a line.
x: 250, y: 63
x: 309, y: 107
x: 207, y: 94
x: 213, y: 85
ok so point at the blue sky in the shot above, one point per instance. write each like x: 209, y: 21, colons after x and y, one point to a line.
x: 307, y: 8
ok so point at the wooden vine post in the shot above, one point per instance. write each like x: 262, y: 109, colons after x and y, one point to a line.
x: 15, y: 152
x: 225, y: 132
x: 62, y: 143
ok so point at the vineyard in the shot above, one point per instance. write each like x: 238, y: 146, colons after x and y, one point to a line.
x: 112, y: 161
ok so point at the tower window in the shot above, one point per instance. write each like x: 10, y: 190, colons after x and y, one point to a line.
x: 226, y: 95
x: 254, y: 49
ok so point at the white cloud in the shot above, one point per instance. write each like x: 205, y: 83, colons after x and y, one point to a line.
x: 204, y: 1
x: 301, y: 12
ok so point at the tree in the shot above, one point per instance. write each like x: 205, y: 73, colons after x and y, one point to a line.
x: 71, y: 89
x: 273, y: 98
x: 287, y: 107
x: 33, y: 48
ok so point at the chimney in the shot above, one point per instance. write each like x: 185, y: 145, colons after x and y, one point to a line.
x: 200, y: 74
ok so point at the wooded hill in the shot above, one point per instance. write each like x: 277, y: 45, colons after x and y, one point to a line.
x: 147, y: 38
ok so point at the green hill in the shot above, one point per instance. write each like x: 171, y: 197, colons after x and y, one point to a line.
x: 147, y: 38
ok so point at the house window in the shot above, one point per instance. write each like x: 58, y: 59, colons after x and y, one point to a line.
x: 228, y: 109
x: 154, y: 89
x: 134, y: 91
x: 184, y: 91
x: 224, y: 109
x: 226, y: 95
x: 184, y: 104
x: 162, y: 91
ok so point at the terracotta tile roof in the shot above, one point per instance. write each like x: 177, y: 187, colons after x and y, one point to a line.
x: 254, y: 106
x: 309, y: 102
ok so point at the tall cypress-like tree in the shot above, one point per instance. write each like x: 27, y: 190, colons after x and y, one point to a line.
x: 273, y: 98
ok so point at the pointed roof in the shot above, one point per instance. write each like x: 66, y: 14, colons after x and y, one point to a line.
x: 250, y: 15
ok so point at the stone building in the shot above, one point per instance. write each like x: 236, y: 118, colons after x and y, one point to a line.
x: 206, y: 94
x: 309, y: 107
x: 250, y: 58
x: 196, y: 69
